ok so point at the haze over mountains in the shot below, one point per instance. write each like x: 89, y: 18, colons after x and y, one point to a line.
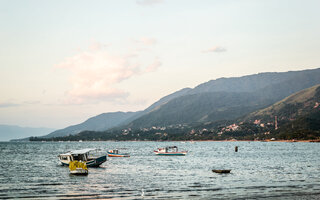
x: 9, y: 132
x: 221, y: 99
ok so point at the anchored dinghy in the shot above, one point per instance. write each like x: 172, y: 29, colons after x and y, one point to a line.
x: 221, y: 171
x: 115, y: 153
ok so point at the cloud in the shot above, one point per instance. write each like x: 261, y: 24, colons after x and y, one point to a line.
x: 149, y: 2
x: 215, y: 49
x: 96, y: 46
x: 146, y: 41
x: 154, y: 66
x: 96, y: 73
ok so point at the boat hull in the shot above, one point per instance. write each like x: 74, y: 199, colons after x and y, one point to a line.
x: 79, y: 172
x: 91, y: 163
x: 221, y: 171
x: 96, y: 162
x: 170, y: 153
x: 117, y: 155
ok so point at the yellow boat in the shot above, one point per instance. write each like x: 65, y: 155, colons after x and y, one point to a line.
x: 78, y: 168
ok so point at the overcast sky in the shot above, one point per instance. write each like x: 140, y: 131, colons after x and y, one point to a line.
x: 65, y: 61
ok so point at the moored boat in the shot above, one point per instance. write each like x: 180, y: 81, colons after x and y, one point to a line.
x: 221, y: 171
x: 170, y: 151
x: 115, y: 153
x: 85, y: 155
x: 78, y: 168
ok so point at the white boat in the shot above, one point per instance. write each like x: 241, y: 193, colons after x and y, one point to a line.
x: 115, y: 153
x: 170, y: 151
x: 84, y: 155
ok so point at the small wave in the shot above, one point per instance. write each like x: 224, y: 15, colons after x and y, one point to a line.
x: 48, y: 184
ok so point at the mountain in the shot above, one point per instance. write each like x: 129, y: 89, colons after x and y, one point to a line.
x: 220, y: 99
x: 106, y: 121
x: 9, y: 132
x: 228, y: 98
x: 199, y: 108
x: 298, y: 118
x: 156, y: 105
x: 166, y: 99
x: 98, y: 123
x: 256, y: 82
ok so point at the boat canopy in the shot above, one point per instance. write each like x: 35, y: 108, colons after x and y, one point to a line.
x: 82, y: 151
x: 116, y: 151
x: 65, y: 154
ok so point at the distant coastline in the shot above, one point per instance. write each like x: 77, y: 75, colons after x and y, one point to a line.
x: 257, y: 141
x: 233, y: 140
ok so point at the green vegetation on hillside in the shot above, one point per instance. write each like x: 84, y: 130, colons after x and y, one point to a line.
x: 303, y: 128
x: 221, y: 116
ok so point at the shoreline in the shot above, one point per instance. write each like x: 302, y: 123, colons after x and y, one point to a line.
x: 252, y: 141
x: 189, y: 141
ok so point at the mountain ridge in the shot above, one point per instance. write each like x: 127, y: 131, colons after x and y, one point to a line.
x: 271, y: 88
x: 303, y: 100
x: 265, y: 88
x: 115, y: 118
x: 99, y: 122
x: 298, y: 119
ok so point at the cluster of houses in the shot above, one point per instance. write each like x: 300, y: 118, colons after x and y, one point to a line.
x: 230, y: 128
x: 161, y: 129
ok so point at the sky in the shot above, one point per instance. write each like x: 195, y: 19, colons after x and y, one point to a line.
x: 63, y: 62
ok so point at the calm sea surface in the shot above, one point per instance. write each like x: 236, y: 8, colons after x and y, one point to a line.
x: 268, y: 170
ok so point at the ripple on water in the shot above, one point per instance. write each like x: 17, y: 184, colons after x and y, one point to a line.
x: 265, y: 170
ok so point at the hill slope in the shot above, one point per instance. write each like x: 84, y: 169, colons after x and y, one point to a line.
x: 228, y: 98
x: 256, y: 82
x: 298, y: 104
x: 107, y: 121
x: 98, y: 123
x: 221, y: 99
x: 298, y: 116
x: 200, y: 108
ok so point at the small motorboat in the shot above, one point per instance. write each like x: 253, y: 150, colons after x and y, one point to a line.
x: 115, y: 153
x: 221, y: 171
x: 170, y: 151
x: 85, y: 155
x: 78, y: 168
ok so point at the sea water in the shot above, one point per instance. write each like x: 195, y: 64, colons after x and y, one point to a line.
x: 268, y: 170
